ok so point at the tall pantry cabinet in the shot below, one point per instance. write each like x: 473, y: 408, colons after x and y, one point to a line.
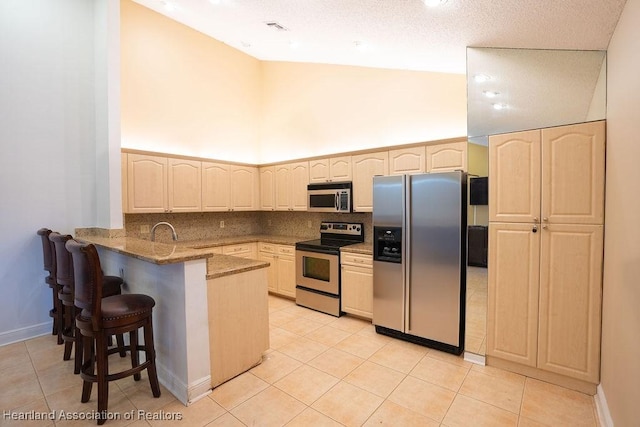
x: 546, y: 216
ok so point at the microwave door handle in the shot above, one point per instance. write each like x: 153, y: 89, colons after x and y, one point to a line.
x: 338, y: 201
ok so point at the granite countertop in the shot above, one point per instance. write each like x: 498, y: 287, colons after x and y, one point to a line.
x: 365, y: 248
x: 161, y: 253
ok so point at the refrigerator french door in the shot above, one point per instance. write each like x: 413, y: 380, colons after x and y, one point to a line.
x: 419, y: 273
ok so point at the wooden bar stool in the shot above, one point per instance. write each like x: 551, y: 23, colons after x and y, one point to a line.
x: 50, y: 266
x: 66, y: 285
x: 101, y: 317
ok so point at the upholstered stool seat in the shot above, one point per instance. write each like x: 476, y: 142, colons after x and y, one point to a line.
x: 111, y: 286
x: 101, y: 317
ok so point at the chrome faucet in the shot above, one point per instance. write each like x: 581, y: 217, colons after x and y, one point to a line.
x: 153, y: 231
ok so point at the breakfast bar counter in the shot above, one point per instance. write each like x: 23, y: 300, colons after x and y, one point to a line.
x: 203, y: 302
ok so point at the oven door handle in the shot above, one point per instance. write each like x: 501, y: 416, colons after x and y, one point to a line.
x: 319, y: 251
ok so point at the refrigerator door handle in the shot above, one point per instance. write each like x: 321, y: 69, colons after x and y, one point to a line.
x: 406, y: 251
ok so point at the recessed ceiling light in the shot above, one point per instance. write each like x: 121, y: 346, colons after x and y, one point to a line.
x: 500, y: 106
x: 434, y: 3
x: 481, y: 78
x: 490, y: 94
x: 245, y: 44
x: 361, y: 46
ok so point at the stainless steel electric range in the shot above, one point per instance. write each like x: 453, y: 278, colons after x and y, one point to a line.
x: 318, y: 266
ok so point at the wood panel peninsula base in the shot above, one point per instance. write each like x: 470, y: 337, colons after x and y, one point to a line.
x: 211, y: 316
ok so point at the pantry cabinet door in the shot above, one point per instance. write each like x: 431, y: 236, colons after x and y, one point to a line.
x: 573, y: 161
x: 512, y: 306
x: 514, y: 177
x: 570, y: 300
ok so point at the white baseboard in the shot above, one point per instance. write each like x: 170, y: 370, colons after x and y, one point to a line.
x: 25, y: 333
x: 475, y: 358
x: 604, y: 416
x: 187, y: 394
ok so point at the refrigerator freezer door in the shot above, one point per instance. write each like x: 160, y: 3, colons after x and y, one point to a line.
x: 388, y: 277
x: 434, y: 248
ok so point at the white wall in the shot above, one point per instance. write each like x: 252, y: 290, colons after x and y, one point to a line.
x: 48, y: 142
x: 621, y: 299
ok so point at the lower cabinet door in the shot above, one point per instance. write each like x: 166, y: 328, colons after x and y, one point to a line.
x: 512, y: 307
x: 357, y: 290
x: 286, y: 275
x: 570, y: 300
x: 272, y: 270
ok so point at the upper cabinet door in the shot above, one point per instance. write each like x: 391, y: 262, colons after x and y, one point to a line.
x: 124, y: 173
x: 573, y: 161
x: 147, y: 183
x: 514, y: 171
x: 365, y: 167
x: 245, y: 187
x: 299, y: 181
x: 185, y: 189
x: 216, y: 187
x: 283, y: 187
x: 340, y: 168
x: 267, y: 188
x: 407, y: 161
x: 447, y: 157
x: 319, y: 170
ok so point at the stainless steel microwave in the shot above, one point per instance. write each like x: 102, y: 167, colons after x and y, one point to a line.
x: 329, y: 197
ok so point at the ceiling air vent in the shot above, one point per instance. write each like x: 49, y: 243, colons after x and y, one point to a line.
x: 277, y: 26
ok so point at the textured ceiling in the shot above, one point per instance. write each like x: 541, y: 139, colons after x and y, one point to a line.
x: 400, y: 34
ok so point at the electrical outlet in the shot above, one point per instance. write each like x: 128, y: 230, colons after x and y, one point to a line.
x: 309, y: 224
x: 122, y: 273
x: 221, y: 224
x: 144, y: 229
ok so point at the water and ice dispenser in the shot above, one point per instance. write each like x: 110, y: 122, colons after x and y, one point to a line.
x: 387, y: 244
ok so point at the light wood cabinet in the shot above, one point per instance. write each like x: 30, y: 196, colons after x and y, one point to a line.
x: 330, y: 169
x: 407, y: 161
x: 242, y: 250
x: 357, y: 284
x: 447, y: 157
x: 147, y: 183
x: 123, y: 188
x: 282, y: 271
x: 365, y: 167
x: 291, y: 186
x: 267, y: 188
x: 216, y: 187
x: 513, y: 286
x: 245, y: 188
x: 573, y: 162
x: 570, y: 300
x: 546, y: 197
x: 184, y: 185
x: 227, y: 187
x: 515, y: 171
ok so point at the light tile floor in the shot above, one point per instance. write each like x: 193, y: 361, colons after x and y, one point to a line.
x: 320, y: 371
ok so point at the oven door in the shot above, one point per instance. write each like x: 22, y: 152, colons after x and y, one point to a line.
x: 318, y: 271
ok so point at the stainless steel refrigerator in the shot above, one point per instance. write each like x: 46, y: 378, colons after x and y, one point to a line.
x: 419, y: 266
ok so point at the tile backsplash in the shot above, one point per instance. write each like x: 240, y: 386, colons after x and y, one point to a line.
x: 207, y: 225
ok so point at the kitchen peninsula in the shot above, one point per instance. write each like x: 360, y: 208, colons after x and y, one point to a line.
x: 201, y: 296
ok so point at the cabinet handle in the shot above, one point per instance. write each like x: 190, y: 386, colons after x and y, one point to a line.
x: 545, y: 219
x: 535, y: 219
x: 359, y: 260
x: 544, y: 227
x: 535, y: 229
